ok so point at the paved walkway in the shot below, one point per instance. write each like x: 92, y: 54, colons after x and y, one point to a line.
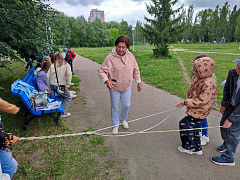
x: 151, y: 156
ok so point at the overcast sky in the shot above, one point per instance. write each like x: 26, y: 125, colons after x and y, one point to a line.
x: 128, y: 10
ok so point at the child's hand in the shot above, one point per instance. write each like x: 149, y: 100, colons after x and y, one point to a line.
x: 181, y: 104
x: 16, y: 139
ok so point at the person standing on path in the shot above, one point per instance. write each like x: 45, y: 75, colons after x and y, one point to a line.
x: 201, y: 95
x: 59, y: 73
x: 70, y: 56
x: 230, y: 122
x: 117, y: 73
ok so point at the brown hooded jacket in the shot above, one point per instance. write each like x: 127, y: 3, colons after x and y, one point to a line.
x: 202, y: 91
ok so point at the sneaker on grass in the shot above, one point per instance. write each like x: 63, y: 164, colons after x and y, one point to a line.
x: 189, y: 151
x: 221, y: 148
x: 223, y: 160
x: 65, y: 115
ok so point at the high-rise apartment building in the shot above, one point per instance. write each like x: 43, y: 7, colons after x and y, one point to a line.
x: 94, y: 13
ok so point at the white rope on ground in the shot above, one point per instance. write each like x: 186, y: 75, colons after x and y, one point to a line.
x: 122, y: 134
x: 92, y: 132
x: 139, y: 131
x: 148, y: 132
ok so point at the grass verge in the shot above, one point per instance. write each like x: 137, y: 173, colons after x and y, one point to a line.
x: 79, y: 157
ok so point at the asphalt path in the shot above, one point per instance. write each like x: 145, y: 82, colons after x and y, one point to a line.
x: 154, y: 155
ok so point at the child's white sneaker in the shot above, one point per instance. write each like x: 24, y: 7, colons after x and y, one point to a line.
x: 125, y: 125
x: 204, y: 140
x: 115, y: 130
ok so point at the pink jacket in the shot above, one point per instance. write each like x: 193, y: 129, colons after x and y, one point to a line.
x: 119, y: 70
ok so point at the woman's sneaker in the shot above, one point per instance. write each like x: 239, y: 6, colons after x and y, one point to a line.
x: 115, y: 130
x: 223, y: 160
x: 125, y: 125
x: 221, y: 148
x: 204, y: 140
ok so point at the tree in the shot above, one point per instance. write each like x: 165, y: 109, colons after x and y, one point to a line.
x: 232, y: 24
x: 26, y: 27
x: 189, y: 20
x: 160, y: 29
x: 237, y: 31
x: 114, y: 34
x: 222, y: 25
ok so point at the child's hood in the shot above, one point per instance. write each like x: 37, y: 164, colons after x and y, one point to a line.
x: 205, y: 66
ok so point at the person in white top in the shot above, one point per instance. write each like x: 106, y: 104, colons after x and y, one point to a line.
x: 64, y: 75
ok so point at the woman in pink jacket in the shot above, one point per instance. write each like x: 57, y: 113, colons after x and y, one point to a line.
x: 117, y: 73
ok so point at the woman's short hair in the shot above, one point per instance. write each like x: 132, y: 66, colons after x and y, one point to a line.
x: 123, y: 39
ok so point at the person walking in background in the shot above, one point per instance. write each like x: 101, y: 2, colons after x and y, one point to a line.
x: 201, y: 95
x: 70, y: 56
x: 230, y: 122
x: 8, y: 163
x: 117, y: 73
x: 60, y: 74
x: 29, y: 63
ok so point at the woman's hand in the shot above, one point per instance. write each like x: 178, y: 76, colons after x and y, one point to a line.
x: 139, y: 87
x: 66, y: 88
x: 109, y: 85
x: 181, y: 104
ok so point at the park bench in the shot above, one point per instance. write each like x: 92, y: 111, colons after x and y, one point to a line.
x: 30, y: 79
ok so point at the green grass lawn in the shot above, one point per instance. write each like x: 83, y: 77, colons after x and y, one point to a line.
x: 78, y: 157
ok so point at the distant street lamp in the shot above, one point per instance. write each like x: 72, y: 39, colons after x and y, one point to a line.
x: 133, y: 37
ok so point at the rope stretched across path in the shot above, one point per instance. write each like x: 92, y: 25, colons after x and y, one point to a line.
x: 121, y: 134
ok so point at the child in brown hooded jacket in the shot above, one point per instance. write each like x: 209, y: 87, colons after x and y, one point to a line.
x: 201, y: 95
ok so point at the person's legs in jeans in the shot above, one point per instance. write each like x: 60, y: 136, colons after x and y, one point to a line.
x: 71, y: 64
x: 231, y: 143
x: 227, y: 113
x: 29, y: 63
x: 125, y: 103
x: 8, y: 163
x: 66, y: 98
x: 204, y: 124
x: 115, y: 106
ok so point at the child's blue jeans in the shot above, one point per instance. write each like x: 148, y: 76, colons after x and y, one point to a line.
x: 204, y: 124
x: 8, y: 163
